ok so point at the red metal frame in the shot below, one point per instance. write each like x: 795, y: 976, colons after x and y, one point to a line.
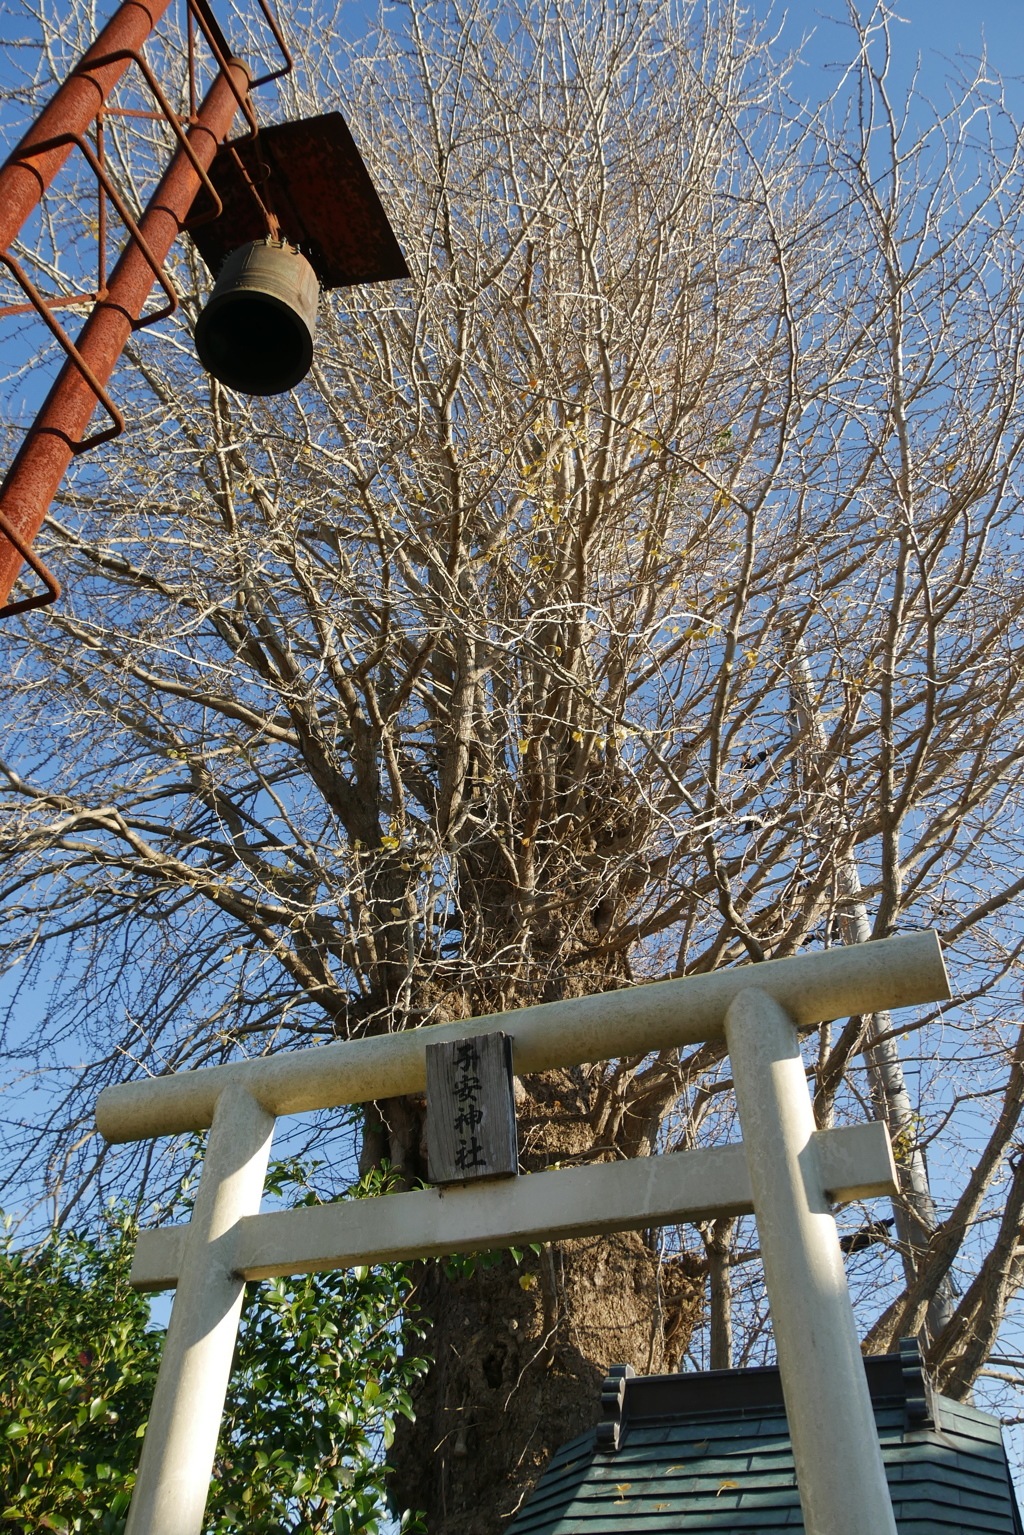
x: 56, y: 435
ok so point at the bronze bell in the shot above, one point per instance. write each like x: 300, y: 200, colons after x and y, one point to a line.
x: 256, y: 332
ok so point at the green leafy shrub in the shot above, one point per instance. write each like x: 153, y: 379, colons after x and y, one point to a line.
x: 321, y: 1372
x: 322, y: 1369
x: 78, y: 1364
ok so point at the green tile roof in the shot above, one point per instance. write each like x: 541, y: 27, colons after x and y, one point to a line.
x: 729, y: 1469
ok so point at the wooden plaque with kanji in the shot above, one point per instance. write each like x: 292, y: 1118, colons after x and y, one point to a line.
x: 471, y: 1115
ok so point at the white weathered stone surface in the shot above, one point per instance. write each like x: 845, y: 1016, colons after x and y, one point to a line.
x: 854, y: 1162
x: 831, y: 983
x: 839, y: 1469
x: 181, y: 1436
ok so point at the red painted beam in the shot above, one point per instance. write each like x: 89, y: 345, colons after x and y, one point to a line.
x: 33, y: 478
x: 71, y: 111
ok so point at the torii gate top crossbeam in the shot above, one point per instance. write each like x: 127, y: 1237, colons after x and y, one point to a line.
x: 811, y: 987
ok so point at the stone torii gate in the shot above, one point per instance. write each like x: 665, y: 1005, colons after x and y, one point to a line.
x: 785, y: 1171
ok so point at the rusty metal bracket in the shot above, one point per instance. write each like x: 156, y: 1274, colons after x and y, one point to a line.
x: 272, y: 222
x: 289, y: 62
x: 211, y: 27
x: 99, y: 171
x: 49, y: 580
x: 61, y: 335
x: 218, y: 45
x: 61, y: 301
x: 166, y: 114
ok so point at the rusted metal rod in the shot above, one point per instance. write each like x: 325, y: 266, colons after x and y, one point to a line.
x: 33, y: 478
x: 73, y: 108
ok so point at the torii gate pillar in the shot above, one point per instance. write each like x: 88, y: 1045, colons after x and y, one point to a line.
x: 181, y: 1436
x: 839, y: 1468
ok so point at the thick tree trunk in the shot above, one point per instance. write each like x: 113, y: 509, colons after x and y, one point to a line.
x: 519, y: 1354
x: 520, y: 1350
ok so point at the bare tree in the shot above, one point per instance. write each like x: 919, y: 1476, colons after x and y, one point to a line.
x: 632, y: 592
x: 915, y: 1218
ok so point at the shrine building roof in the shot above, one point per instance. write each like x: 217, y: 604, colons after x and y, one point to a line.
x: 710, y: 1452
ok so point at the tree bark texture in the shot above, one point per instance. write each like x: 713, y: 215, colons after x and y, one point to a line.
x: 520, y: 1350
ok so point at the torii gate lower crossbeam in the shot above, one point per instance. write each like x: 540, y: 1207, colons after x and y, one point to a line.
x: 785, y: 1170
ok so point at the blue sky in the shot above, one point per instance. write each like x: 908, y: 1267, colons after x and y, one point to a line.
x: 930, y: 34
